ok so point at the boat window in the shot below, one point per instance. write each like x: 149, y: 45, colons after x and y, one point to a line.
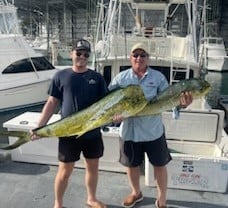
x: 25, y: 65
x: 123, y: 68
x: 178, y: 75
x: 107, y: 74
x: 151, y: 1
x: 212, y: 40
x: 219, y: 41
x: 215, y: 40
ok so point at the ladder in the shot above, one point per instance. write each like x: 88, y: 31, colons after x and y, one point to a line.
x: 177, y: 73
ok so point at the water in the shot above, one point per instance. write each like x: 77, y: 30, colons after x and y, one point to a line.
x: 219, y: 84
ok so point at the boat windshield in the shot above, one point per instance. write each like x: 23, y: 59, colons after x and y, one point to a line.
x: 27, y: 65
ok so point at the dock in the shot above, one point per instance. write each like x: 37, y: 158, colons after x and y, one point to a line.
x: 27, y: 185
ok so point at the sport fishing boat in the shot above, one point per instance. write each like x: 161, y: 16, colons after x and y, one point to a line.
x: 167, y: 28
x: 212, y: 50
x: 24, y: 73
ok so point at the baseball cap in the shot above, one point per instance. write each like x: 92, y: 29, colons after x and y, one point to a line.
x: 139, y: 46
x: 82, y: 45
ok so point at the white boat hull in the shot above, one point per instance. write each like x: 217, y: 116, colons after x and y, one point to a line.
x: 216, y: 63
x: 214, y: 52
x: 24, y: 95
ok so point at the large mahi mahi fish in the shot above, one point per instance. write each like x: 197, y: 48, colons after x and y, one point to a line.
x: 125, y: 101
x: 128, y: 102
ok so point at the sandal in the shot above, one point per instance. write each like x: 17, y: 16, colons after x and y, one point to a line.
x: 131, y: 200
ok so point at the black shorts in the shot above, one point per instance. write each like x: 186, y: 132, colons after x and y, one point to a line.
x: 132, y: 153
x: 70, y: 148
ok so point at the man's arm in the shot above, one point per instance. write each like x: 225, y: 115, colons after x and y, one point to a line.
x: 47, y: 111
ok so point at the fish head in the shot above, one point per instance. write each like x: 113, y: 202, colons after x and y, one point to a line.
x: 199, y: 87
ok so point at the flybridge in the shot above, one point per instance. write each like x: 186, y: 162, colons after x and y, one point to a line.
x: 8, y: 18
x: 167, y: 28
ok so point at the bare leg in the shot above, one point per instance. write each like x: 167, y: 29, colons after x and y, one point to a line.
x: 160, y: 174
x: 91, y: 179
x: 133, y: 174
x: 61, y: 182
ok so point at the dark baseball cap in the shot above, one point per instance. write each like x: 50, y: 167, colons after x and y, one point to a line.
x: 82, y: 45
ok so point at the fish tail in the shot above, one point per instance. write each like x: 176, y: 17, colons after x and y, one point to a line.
x: 23, y: 137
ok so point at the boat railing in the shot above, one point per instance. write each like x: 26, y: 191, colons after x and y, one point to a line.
x: 212, y: 40
x: 146, y: 32
x: 160, y: 46
x: 150, y: 32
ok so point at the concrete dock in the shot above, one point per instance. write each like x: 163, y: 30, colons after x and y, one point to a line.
x: 27, y: 185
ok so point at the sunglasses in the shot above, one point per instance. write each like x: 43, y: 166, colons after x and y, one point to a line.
x: 142, y: 55
x: 86, y: 55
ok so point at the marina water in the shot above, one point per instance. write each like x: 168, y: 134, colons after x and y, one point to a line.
x: 219, y: 87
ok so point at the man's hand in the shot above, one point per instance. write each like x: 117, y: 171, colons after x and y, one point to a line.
x: 117, y: 118
x: 34, y: 136
x: 186, y: 99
